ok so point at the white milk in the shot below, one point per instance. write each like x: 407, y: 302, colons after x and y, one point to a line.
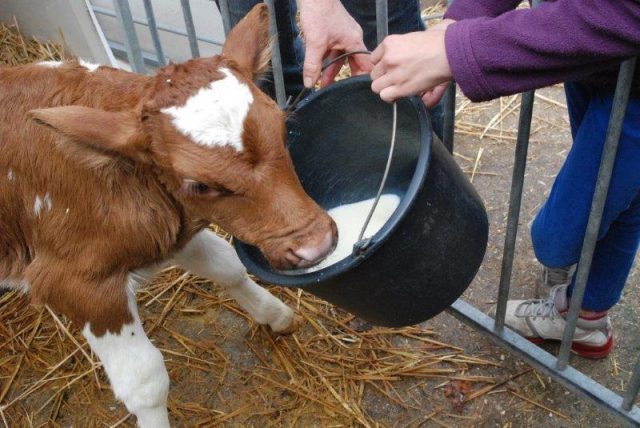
x: 350, y: 219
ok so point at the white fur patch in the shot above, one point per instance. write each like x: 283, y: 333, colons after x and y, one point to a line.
x: 89, y: 65
x: 11, y: 175
x: 215, y: 115
x: 50, y: 64
x: 209, y: 256
x: 135, y: 368
x: 48, y: 204
x: 15, y: 284
x: 42, y: 203
x: 37, y: 206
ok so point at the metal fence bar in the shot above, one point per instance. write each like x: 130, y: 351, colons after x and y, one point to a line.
x: 172, y: 30
x: 382, y: 19
x: 276, y: 58
x: 631, y: 393
x: 448, y: 121
x: 153, y: 29
x: 226, y: 16
x: 515, y: 200
x: 132, y: 45
x: 449, y: 107
x: 120, y: 51
x: 571, y: 378
x: 191, y: 29
x: 620, y: 99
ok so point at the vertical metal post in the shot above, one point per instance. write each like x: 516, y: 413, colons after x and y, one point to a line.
x: 131, y: 43
x: 620, y: 99
x: 448, y: 121
x: 226, y: 16
x: 449, y: 106
x: 191, y: 29
x: 276, y: 58
x: 515, y: 199
x: 633, y: 388
x: 382, y: 19
x: 153, y: 29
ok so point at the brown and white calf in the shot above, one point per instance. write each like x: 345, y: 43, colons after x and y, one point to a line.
x: 107, y: 177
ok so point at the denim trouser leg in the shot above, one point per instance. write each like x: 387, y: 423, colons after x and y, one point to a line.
x: 558, y: 230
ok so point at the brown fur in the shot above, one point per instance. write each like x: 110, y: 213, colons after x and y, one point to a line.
x: 113, y: 165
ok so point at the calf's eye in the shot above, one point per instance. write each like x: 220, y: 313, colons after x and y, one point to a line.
x: 199, y: 188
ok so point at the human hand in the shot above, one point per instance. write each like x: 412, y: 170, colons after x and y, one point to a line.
x: 412, y: 64
x: 329, y: 31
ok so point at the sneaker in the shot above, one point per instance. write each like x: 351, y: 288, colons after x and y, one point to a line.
x: 541, y: 320
x: 550, y: 277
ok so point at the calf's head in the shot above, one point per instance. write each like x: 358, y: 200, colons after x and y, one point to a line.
x: 218, y: 144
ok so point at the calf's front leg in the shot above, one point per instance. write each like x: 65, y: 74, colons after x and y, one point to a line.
x: 135, y: 368
x: 209, y: 256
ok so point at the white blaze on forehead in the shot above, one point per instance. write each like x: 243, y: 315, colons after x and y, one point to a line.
x: 215, y: 115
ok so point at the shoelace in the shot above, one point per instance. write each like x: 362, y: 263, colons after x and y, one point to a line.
x: 543, y: 308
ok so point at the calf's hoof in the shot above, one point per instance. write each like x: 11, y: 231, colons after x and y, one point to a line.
x: 288, y: 325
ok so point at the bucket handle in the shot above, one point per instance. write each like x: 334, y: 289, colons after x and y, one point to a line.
x: 362, y: 243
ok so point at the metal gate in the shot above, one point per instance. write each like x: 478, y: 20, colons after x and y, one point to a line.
x: 557, y: 367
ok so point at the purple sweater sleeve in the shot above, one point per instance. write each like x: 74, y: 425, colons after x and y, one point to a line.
x: 530, y: 48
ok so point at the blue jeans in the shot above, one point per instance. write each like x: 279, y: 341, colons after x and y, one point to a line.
x: 404, y: 17
x: 559, y: 228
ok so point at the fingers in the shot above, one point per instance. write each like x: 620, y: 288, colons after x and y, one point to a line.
x: 377, y: 54
x: 360, y: 64
x: 382, y: 82
x: 329, y: 74
x: 312, y: 63
x: 392, y: 93
x: 433, y: 96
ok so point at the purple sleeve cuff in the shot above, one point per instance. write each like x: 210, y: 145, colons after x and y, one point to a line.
x: 465, y: 69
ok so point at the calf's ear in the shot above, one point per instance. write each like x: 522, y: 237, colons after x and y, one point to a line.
x: 249, y: 43
x: 108, y: 133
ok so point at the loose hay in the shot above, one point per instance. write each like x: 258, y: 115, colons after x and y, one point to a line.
x: 15, y: 49
x: 225, y: 370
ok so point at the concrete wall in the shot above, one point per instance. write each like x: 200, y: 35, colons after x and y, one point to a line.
x: 206, y: 17
x: 69, y: 22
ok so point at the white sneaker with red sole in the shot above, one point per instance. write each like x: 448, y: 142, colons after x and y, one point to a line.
x: 541, y: 320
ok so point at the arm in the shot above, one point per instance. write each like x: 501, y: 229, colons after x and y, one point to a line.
x: 519, y: 50
x: 531, y: 48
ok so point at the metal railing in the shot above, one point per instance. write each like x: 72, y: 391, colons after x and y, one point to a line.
x: 556, y: 367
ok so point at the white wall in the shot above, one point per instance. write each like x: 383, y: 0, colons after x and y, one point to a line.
x: 206, y: 17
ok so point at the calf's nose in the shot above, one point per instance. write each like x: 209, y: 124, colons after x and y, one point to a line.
x: 311, y: 255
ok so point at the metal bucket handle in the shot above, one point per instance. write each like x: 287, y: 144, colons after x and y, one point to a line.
x: 362, y: 243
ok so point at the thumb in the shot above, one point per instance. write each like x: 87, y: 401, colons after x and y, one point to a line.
x: 434, y: 95
x: 312, y: 64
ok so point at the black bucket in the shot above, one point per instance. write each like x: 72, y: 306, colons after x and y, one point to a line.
x: 428, y: 252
